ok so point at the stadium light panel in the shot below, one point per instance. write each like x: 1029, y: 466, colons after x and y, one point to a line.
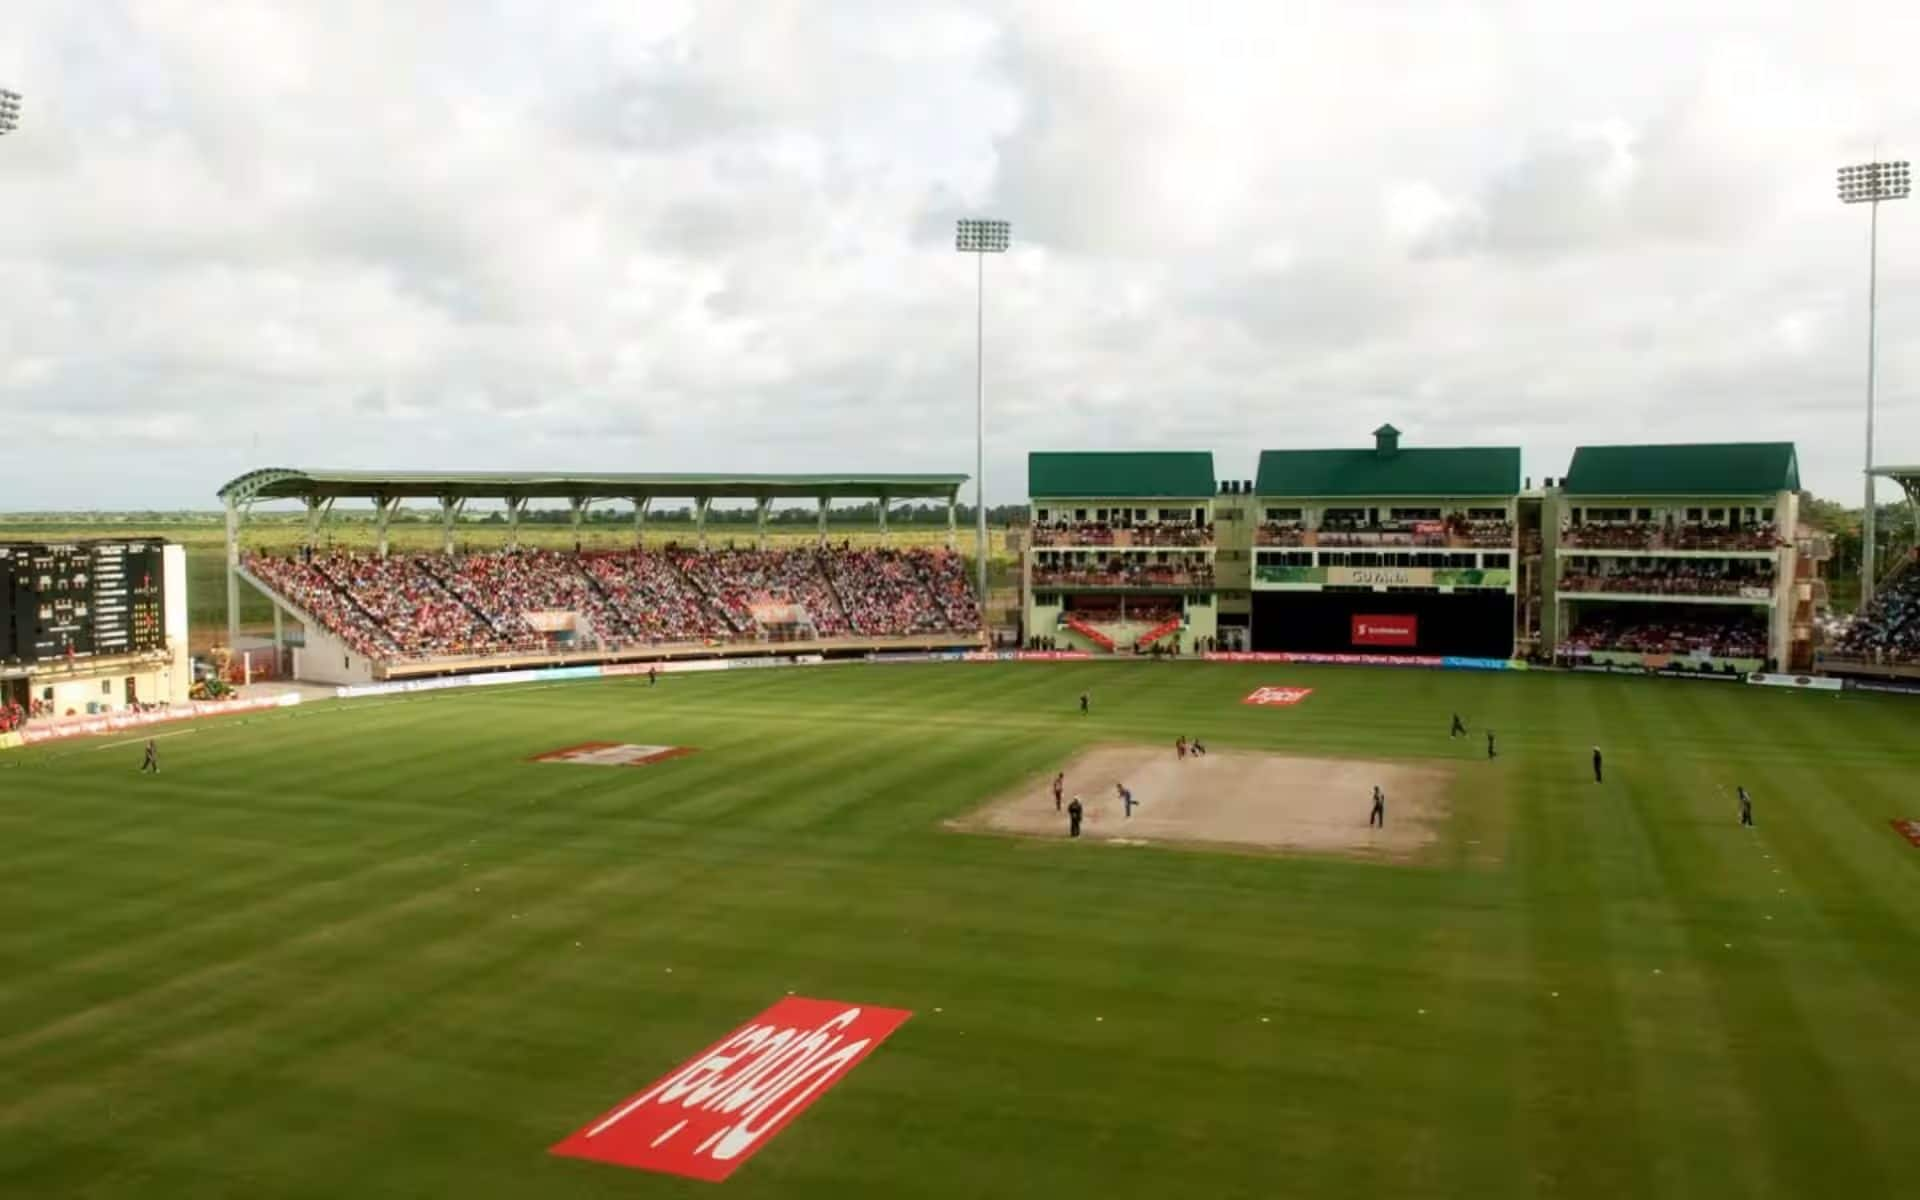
x: 1870, y: 183
x: 975, y: 236
x: 9, y: 110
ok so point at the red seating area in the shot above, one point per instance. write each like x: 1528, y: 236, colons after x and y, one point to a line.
x: 1743, y: 636
x: 438, y: 606
x: 1089, y: 632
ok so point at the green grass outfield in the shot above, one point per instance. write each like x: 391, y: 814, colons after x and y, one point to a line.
x: 267, y: 973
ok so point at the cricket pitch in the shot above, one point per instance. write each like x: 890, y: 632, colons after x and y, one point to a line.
x: 1232, y: 799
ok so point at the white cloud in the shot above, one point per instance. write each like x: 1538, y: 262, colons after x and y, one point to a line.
x: 718, y: 235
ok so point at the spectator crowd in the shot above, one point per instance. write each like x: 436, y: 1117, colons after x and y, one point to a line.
x: 1742, y: 636
x: 518, y: 601
x: 1889, y: 630
x: 1668, y: 577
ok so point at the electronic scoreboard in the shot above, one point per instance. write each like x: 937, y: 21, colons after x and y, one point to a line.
x: 73, y: 600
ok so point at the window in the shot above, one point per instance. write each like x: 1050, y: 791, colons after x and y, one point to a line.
x: 1644, y: 514
x: 1717, y: 514
x: 1414, y: 514
x: 106, y: 687
x: 1283, y: 514
x: 1693, y: 514
x: 1495, y: 562
x: 1486, y: 514
x: 1080, y: 514
x: 1139, y: 514
x: 1042, y: 516
x: 1100, y: 515
x: 1766, y: 514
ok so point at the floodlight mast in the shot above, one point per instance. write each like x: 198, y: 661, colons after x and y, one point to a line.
x: 980, y: 238
x: 1869, y: 184
x: 9, y: 111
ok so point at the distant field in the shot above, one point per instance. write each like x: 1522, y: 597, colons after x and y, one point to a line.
x: 205, y: 543
x: 372, y: 950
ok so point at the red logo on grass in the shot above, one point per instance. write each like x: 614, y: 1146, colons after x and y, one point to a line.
x: 1282, y: 697
x: 1386, y: 631
x: 721, y: 1106
x: 1908, y: 829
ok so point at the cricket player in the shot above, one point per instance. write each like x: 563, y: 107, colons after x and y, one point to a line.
x: 152, y: 761
x: 1059, y: 785
x: 1180, y: 747
x: 1073, y: 817
x: 653, y: 676
x: 1083, y: 704
x: 1490, y: 751
x: 1596, y: 764
x: 1459, y: 727
x: 1746, y: 807
x: 1195, y: 748
x: 1126, y: 799
x: 1379, y: 814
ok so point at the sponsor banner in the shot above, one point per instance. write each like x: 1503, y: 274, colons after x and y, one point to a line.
x: 1453, y: 662
x: 669, y: 667
x: 1031, y: 655
x: 592, y: 672
x: 88, y: 726
x: 1290, y: 576
x: 1453, y: 577
x: 525, y: 675
x: 9, y: 740
x: 1323, y: 660
x: 1814, y: 683
x: 719, y: 1108
x: 1892, y: 686
x: 1755, y: 593
x: 1277, y: 697
x: 1908, y: 829
x: 1398, y: 629
x: 397, y: 686
x: 1380, y: 576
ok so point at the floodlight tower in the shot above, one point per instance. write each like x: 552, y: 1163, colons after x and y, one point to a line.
x: 1869, y: 184
x: 9, y: 111
x: 981, y: 238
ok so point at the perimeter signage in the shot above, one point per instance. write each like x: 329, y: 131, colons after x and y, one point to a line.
x: 1396, y: 630
x: 720, y: 1107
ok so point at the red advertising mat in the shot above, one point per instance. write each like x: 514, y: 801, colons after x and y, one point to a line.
x: 721, y: 1106
x: 1277, y: 697
x: 1907, y: 828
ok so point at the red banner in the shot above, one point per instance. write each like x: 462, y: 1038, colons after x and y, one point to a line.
x: 1909, y: 830
x: 1401, y: 630
x: 716, y: 1111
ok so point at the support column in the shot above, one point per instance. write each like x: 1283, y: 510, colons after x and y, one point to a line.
x: 823, y: 520
x: 640, y: 506
x: 279, y: 632
x: 382, y: 510
x: 578, y: 506
x: 317, y: 510
x: 760, y: 520
x: 884, y: 538
x: 449, y: 509
x: 233, y: 573
x: 514, y: 506
x: 953, y: 523
x: 700, y: 507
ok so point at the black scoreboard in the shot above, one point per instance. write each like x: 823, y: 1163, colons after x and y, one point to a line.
x: 73, y: 600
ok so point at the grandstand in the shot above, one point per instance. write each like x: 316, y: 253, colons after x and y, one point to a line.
x: 1388, y: 550
x: 1678, y: 557
x: 1120, y: 555
x: 384, y: 615
x: 1883, y: 639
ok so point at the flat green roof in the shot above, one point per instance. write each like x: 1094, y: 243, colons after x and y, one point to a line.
x: 282, y: 483
x: 1120, y: 474
x: 1691, y: 469
x: 1387, y: 470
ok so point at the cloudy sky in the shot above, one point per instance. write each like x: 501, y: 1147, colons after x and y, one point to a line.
x: 643, y: 235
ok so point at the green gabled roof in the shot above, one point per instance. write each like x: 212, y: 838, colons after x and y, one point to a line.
x: 1432, y: 471
x: 1700, y: 469
x: 1120, y: 475
x: 283, y: 483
